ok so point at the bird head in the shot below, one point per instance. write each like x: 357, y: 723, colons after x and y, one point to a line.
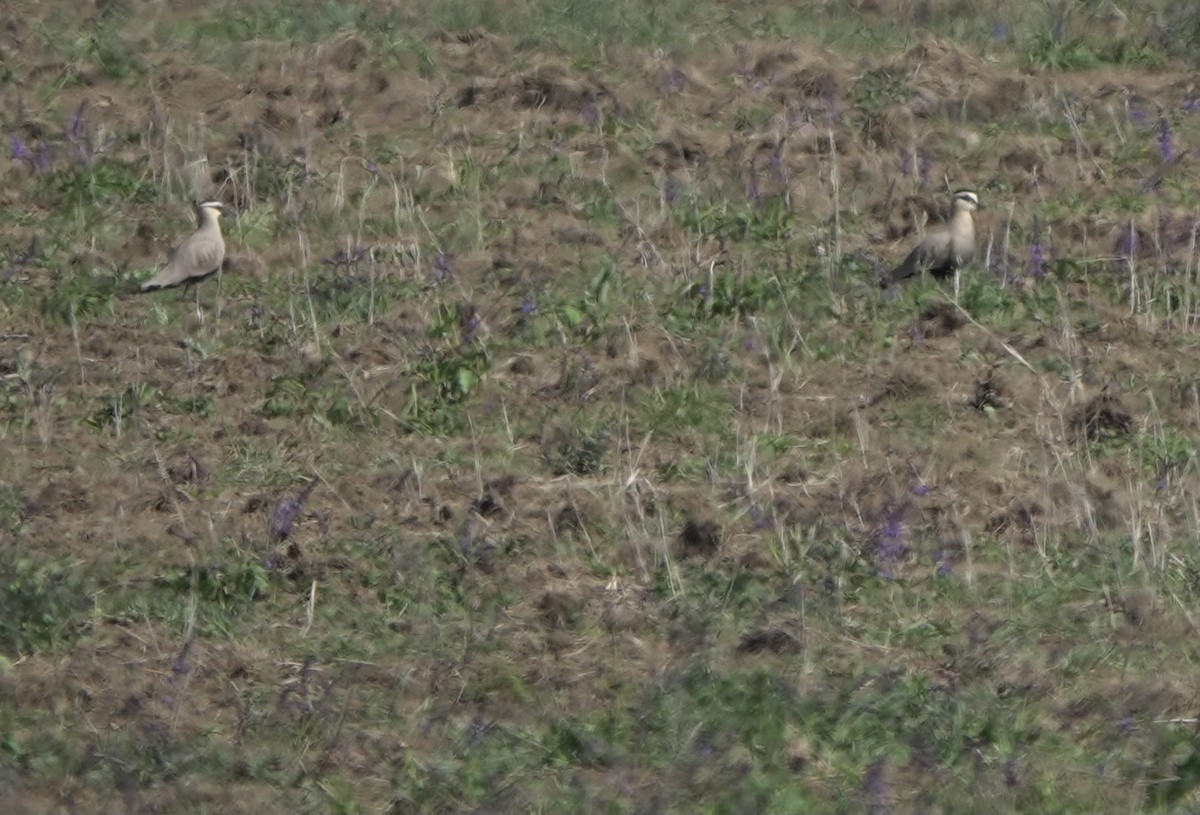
x: 214, y: 208
x: 966, y: 200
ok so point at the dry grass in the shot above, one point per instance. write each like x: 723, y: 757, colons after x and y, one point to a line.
x: 546, y: 443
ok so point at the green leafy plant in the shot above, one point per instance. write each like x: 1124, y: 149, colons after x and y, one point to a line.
x: 307, y: 394
x: 103, y: 180
x: 768, y: 219
x: 79, y: 296
x: 447, y: 371
x: 230, y: 584
x: 879, y: 88
x: 12, y: 507
x: 575, y: 449
x: 42, y: 605
x: 728, y: 294
x: 120, y: 410
x: 1055, y: 53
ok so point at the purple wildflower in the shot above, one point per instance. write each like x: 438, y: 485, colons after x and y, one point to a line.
x: 1037, y: 260
x: 670, y: 191
x: 1010, y: 772
x: 875, y: 788
x: 1166, y: 146
x: 752, y: 192
x: 941, y: 563
x: 1000, y: 31
x: 529, y: 305
x: 75, y: 128
x: 441, y: 267
x: 42, y: 161
x: 778, y: 167
x: 1036, y: 268
x: 590, y: 114
x: 889, y: 541
x: 921, y: 489
x: 1128, y: 243
x: 468, y: 322
x: 758, y: 516
x: 1059, y: 31
x: 19, y: 150
x: 77, y: 136
x: 1191, y: 105
x: 1139, y: 117
x: 676, y: 81
x: 372, y: 167
x: 288, y: 512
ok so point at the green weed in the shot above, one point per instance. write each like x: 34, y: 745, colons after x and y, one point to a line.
x: 446, y: 372
x: 104, y: 181
x: 634, y: 493
x: 81, y: 296
x: 576, y: 450
x: 769, y: 219
x: 42, y: 605
x: 878, y: 89
x: 123, y: 410
x: 1051, y: 52
x: 229, y: 585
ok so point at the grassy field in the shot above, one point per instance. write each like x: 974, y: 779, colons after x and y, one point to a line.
x: 547, y: 445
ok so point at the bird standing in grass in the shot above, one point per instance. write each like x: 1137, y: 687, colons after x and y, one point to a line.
x: 942, y: 251
x: 199, y: 256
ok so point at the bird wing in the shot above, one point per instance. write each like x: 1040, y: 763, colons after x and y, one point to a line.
x: 205, y: 256
x: 931, y: 254
x: 199, y: 255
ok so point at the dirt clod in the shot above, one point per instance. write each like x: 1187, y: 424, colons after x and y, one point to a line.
x: 773, y: 640
x: 702, y: 538
x: 938, y: 319
x: 990, y: 392
x: 1102, y: 417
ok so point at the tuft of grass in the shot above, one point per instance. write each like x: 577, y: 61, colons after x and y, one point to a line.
x: 45, y: 605
x: 546, y: 437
